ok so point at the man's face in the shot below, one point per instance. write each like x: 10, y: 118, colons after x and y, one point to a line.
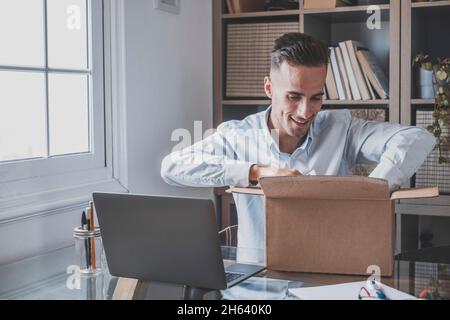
x: 297, y: 96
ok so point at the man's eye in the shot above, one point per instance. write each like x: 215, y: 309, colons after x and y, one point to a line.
x: 316, y: 98
x: 293, y: 97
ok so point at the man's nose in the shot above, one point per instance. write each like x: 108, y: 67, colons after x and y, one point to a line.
x: 305, y: 110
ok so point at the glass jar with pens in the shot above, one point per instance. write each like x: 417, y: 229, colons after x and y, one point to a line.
x: 90, y: 277
x: 88, y: 243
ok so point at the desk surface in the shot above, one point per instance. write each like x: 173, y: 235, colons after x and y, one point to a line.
x: 50, y: 276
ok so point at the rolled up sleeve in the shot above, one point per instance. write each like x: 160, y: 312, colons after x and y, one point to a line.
x: 208, y: 163
x: 398, y: 150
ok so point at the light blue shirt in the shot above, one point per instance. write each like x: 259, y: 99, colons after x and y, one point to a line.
x: 336, y: 142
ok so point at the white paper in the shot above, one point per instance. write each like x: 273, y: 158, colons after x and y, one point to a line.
x: 346, y: 291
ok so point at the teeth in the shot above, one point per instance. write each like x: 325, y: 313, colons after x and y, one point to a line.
x: 300, y: 122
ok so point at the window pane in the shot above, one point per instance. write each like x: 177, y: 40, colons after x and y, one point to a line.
x: 22, y: 33
x: 67, y: 34
x: 68, y: 114
x: 22, y: 115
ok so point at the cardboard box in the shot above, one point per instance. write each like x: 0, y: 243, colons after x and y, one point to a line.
x: 328, y: 224
x: 240, y: 6
x: 323, y: 4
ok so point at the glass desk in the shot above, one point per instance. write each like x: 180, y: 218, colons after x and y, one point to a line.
x: 52, y: 276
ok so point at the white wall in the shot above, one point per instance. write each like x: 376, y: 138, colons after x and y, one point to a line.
x: 169, y: 86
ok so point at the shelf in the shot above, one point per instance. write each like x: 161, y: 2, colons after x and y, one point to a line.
x: 356, y: 102
x: 246, y: 102
x: 262, y: 14
x: 326, y: 102
x: 434, y: 9
x: 423, y: 101
x: 346, y: 14
x: 427, y: 4
x: 344, y: 9
x: 434, y: 206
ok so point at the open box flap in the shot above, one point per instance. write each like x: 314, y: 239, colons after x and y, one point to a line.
x: 331, y: 187
x: 325, y: 187
x: 415, y: 193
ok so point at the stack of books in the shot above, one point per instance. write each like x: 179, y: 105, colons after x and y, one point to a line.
x: 355, y: 74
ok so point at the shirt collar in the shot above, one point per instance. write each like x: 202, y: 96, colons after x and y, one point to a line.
x: 306, y: 144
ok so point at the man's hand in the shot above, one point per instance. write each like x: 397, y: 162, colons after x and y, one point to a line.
x: 257, y: 172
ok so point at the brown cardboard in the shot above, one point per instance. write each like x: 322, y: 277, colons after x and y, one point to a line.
x: 241, y: 6
x: 323, y: 4
x: 328, y: 224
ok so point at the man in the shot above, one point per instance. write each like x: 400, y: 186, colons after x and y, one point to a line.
x: 307, y: 140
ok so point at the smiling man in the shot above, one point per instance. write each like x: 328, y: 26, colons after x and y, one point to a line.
x: 294, y: 137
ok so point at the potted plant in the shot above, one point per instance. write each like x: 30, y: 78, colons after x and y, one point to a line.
x: 440, y: 91
x: 424, y: 76
x: 441, y: 114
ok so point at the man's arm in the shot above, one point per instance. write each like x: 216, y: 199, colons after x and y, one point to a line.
x: 213, y: 163
x: 208, y: 163
x: 398, y: 150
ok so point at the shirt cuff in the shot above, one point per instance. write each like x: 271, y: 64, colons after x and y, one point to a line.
x: 390, y: 172
x: 237, y: 173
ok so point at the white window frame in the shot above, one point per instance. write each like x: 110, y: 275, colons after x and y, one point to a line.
x: 35, y: 187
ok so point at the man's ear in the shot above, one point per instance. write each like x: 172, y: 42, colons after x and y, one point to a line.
x: 268, y: 87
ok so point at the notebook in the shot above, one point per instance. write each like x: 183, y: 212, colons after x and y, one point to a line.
x: 346, y: 291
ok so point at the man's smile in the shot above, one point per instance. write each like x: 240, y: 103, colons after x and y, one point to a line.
x: 300, y: 123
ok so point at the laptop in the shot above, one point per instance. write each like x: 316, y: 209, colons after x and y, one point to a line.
x: 164, y: 239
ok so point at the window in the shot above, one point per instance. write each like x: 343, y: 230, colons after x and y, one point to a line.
x: 52, y: 111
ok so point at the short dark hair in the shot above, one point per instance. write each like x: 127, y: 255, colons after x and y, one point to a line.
x: 299, y: 49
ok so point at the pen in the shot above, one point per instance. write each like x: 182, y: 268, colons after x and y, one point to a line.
x: 89, y: 247
x: 92, y: 228
x: 86, y: 241
x: 377, y: 289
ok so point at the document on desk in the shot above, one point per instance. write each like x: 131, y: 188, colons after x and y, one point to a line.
x: 346, y: 291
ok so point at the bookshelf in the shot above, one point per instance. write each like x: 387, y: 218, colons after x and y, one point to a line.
x: 329, y: 25
x: 406, y: 27
x: 423, y: 26
x: 349, y: 23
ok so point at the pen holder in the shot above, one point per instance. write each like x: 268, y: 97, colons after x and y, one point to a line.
x: 89, y: 248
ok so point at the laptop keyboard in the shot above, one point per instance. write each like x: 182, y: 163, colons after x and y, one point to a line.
x: 231, y: 276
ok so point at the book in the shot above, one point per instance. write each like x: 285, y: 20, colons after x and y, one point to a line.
x: 336, y: 74
x: 331, y: 85
x: 374, y: 72
x: 366, y: 78
x: 360, y: 81
x: 230, y: 6
x: 371, y: 91
x: 344, y: 76
x: 350, y: 73
x: 236, y: 6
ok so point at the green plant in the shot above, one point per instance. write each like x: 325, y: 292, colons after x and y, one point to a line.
x: 441, y: 113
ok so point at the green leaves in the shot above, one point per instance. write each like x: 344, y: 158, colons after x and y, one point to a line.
x: 441, y: 113
x: 423, y: 61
